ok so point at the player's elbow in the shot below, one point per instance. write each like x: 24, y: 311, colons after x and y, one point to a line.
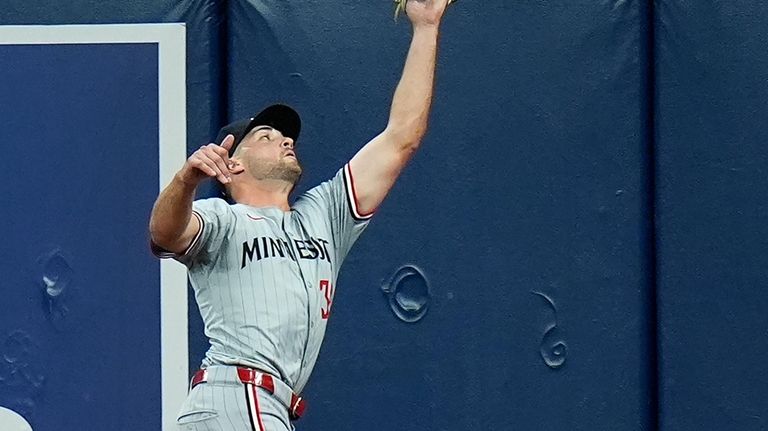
x: 407, y: 136
x: 157, y: 226
x: 161, y: 235
x: 167, y: 242
x: 158, y: 236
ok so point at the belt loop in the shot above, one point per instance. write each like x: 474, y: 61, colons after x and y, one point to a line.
x: 295, y: 405
x: 267, y: 382
x: 246, y: 375
x: 201, y: 376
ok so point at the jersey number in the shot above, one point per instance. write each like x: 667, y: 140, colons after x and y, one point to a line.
x: 325, y: 287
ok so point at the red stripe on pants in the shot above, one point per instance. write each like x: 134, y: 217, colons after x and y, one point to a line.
x: 253, y: 407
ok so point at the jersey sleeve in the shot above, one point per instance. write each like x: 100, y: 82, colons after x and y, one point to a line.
x: 216, y: 221
x: 335, y: 201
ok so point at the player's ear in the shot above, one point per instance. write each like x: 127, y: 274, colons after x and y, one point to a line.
x: 235, y: 167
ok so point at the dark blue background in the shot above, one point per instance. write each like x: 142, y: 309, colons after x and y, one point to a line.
x: 532, y: 177
x: 712, y: 86
x: 606, y: 155
x: 78, y: 173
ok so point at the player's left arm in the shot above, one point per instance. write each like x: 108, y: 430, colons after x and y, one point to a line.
x: 378, y: 164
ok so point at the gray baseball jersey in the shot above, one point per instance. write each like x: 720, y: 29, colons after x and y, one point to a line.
x: 264, y: 279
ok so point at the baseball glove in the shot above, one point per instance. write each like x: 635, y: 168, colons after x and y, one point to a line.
x: 400, y: 6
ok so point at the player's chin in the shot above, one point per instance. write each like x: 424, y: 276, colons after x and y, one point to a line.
x: 290, y: 171
x: 291, y: 163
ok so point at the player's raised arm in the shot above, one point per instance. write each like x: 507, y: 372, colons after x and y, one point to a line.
x: 172, y: 226
x: 377, y: 165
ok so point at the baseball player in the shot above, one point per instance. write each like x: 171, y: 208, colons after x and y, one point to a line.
x: 263, y: 271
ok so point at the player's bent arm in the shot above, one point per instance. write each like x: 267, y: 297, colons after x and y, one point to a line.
x: 378, y: 164
x: 172, y: 226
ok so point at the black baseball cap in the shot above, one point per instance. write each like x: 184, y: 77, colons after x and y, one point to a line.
x: 278, y: 116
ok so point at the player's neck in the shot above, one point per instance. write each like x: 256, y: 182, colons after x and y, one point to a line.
x: 264, y: 193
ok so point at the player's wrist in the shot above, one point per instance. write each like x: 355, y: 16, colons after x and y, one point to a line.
x: 425, y: 33
x: 426, y: 26
x: 187, y: 179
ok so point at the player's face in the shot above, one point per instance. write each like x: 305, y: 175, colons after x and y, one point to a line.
x: 268, y: 155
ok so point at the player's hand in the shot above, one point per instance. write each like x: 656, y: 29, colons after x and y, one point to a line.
x: 209, y: 161
x: 426, y: 12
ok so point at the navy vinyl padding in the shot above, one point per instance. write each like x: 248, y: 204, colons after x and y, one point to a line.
x: 532, y: 178
x: 712, y: 94
x: 585, y: 211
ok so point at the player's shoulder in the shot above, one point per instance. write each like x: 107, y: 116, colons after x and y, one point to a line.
x: 325, y: 188
x: 317, y: 195
x: 214, y: 204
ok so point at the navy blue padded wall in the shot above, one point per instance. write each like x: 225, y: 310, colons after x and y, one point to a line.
x: 712, y: 218
x: 205, y: 81
x: 80, y: 314
x: 203, y: 21
x: 525, y: 211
